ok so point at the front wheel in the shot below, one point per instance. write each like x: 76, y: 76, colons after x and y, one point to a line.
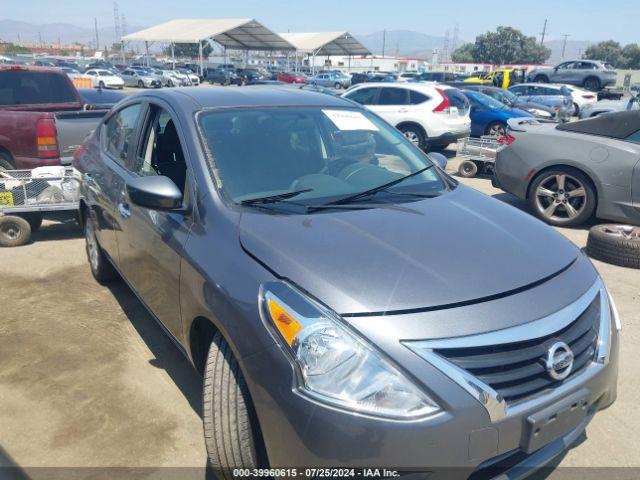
x: 541, y: 79
x: 140, y: 84
x: 101, y: 267
x: 563, y: 197
x: 229, y: 420
x: 338, y: 86
x: 576, y: 110
x: 101, y: 84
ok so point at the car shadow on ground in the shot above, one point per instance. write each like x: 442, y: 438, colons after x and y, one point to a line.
x: 168, y: 356
x: 53, y: 231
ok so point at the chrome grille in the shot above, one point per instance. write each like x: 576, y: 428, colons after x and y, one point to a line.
x: 517, y: 371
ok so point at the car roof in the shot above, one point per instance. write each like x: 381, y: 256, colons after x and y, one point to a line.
x: 407, y: 85
x: 254, y: 96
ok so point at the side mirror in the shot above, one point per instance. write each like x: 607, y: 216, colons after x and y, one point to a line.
x: 439, y: 159
x: 156, y: 192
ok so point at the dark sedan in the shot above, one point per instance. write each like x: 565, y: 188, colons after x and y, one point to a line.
x: 346, y: 301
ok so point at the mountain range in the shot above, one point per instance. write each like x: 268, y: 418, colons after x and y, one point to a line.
x: 404, y: 43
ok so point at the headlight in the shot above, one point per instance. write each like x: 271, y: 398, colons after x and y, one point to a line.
x: 540, y: 113
x: 336, y: 366
x: 609, y: 316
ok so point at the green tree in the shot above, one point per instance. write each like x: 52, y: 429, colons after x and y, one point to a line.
x: 13, y: 48
x: 189, y: 50
x: 508, y: 45
x: 464, y: 53
x: 609, y: 51
x: 631, y: 56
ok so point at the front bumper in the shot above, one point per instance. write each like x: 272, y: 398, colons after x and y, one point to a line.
x: 460, y: 441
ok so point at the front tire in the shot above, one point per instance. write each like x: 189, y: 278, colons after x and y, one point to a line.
x: 6, y: 163
x: 541, y: 79
x: 229, y: 420
x: 576, y: 110
x: 140, y: 84
x: 563, y: 197
x: 101, y: 267
x: 415, y: 135
x: 101, y: 84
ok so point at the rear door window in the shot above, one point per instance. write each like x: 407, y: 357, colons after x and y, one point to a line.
x: 393, y: 96
x: 363, y: 96
x: 118, y: 131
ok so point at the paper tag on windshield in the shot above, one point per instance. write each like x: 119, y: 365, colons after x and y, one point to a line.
x: 350, y: 120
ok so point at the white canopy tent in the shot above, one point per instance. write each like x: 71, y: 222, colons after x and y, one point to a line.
x: 233, y: 33
x: 326, y: 43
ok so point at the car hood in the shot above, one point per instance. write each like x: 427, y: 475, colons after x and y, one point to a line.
x: 462, y: 246
x: 515, y: 112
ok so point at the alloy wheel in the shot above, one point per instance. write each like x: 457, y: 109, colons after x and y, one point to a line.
x: 626, y: 232
x: 561, y: 197
x: 10, y: 230
x: 412, y: 137
x: 497, y: 130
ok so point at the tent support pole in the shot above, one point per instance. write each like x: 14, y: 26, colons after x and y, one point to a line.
x: 173, y: 57
x: 146, y: 56
x: 200, y: 56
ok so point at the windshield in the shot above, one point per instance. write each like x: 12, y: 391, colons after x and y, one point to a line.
x: 331, y: 153
x: 510, y: 96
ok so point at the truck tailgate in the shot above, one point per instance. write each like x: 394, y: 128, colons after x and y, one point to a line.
x: 73, y: 128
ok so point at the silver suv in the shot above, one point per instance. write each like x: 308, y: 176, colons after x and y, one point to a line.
x: 590, y: 74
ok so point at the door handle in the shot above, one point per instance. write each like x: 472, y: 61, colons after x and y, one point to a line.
x: 123, y: 208
x: 403, y: 110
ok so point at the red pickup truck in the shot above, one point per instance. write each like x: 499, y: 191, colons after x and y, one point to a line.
x: 42, y: 117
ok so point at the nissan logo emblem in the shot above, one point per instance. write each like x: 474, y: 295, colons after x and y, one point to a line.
x: 559, y: 361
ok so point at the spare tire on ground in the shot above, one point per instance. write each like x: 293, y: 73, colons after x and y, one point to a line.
x: 615, y: 244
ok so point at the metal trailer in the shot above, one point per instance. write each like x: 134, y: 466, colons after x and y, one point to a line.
x: 25, y: 195
x: 479, y: 155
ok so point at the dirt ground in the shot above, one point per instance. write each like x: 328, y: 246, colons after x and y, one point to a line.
x: 87, y: 379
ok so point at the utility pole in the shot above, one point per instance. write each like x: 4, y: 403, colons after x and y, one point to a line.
x: 564, y: 44
x: 544, y: 32
x: 384, y: 41
x: 116, y: 23
x: 95, y: 27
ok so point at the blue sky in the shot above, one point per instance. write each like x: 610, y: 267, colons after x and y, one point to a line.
x: 582, y: 20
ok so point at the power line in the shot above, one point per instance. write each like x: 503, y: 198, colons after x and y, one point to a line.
x: 564, y: 44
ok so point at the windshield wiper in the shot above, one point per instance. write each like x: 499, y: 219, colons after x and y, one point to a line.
x: 384, y: 186
x: 274, y: 198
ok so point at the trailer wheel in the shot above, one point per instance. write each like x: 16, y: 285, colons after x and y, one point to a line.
x: 14, y: 231
x: 468, y: 169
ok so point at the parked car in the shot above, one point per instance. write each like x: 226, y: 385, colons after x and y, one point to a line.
x: 140, y: 79
x: 428, y: 115
x: 360, y: 77
x: 41, y: 117
x: 222, y: 77
x: 378, y: 77
x: 439, y: 77
x: 315, y: 280
x: 408, y: 77
x: 499, y: 77
x: 101, y: 78
x: 292, y: 77
x: 315, y: 88
x: 609, y: 106
x: 571, y: 172
x: 581, y: 98
x: 171, y: 78
x: 508, y: 98
x: 489, y: 116
x: 101, y: 64
x: 547, y: 94
x: 331, y: 79
x: 71, y: 72
x: 250, y: 76
x: 192, y: 77
x: 591, y: 74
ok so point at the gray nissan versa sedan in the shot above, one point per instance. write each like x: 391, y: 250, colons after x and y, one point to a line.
x: 347, y: 303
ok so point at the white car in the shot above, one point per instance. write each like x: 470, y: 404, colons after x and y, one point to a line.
x: 194, y: 79
x: 429, y: 115
x: 104, y: 78
x: 581, y: 98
